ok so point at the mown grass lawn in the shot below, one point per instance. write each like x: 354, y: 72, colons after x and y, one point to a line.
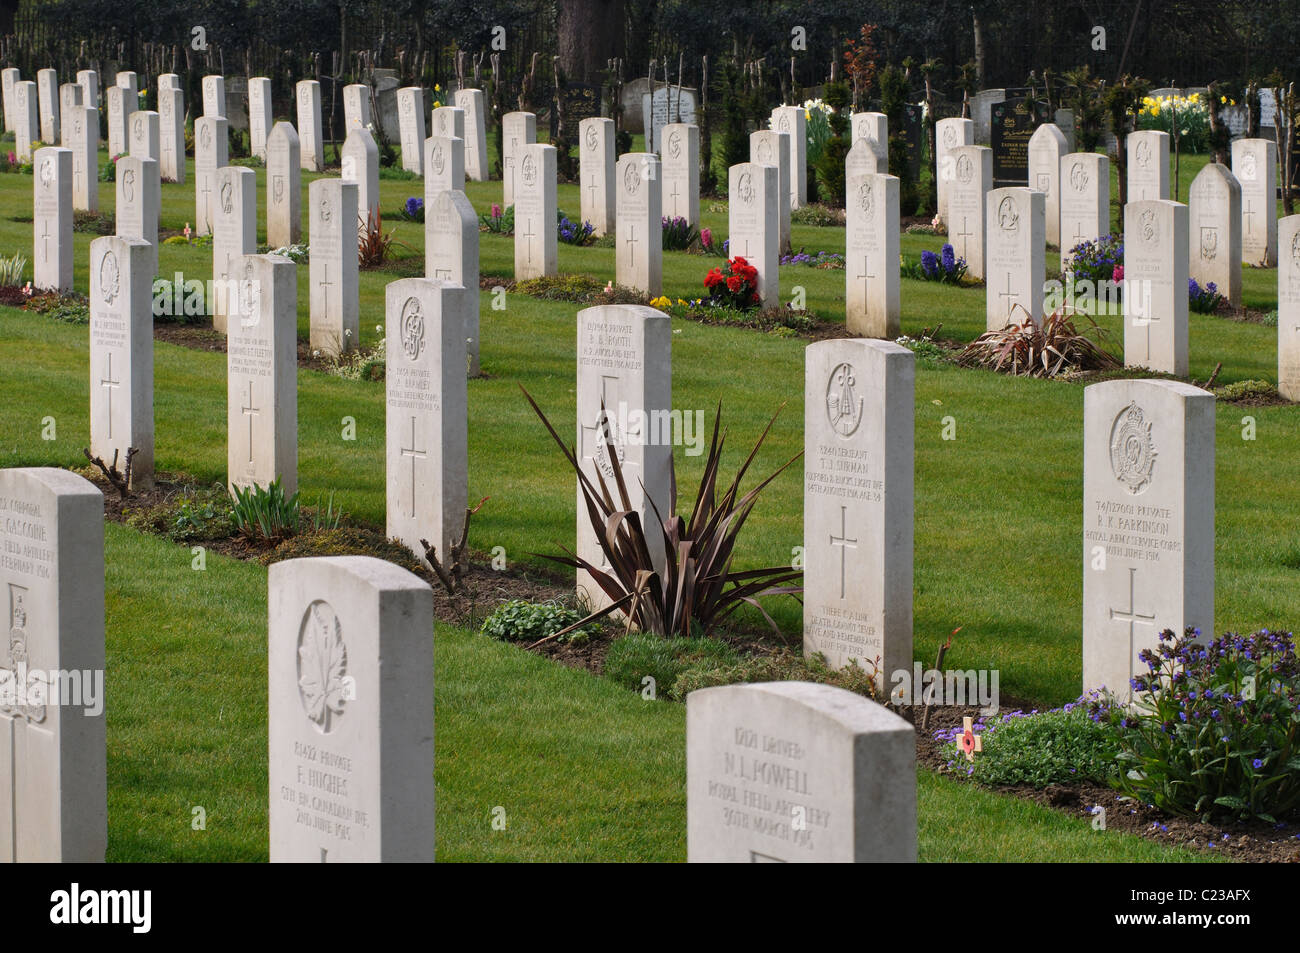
x: 583, y: 769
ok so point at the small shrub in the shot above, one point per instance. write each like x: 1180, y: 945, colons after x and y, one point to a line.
x: 1203, y: 300
x: 374, y: 248
x: 194, y: 513
x: 265, y: 514
x: 396, y: 172
x: 298, y: 254
x: 1098, y: 259
x: 343, y: 541
x: 944, y: 267
x: 1269, y: 319
x: 521, y: 621
x: 413, y: 210
x: 1054, y: 348
x: 108, y: 171
x: 1248, y: 392
x: 70, y: 307
x: 361, y: 364
x: 678, y: 234
x: 497, y: 221
x: 823, y: 216
x: 579, y: 289
x: 734, y: 285
x: 926, y: 349
x: 1214, y: 730
x: 780, y: 666
x: 636, y: 655
x: 96, y: 223
x: 1063, y: 746
x: 823, y: 259
x: 11, y: 270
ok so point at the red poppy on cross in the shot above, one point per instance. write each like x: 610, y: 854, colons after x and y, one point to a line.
x: 968, y: 741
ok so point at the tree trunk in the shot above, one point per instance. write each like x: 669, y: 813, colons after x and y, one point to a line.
x: 588, y: 34
x: 979, y: 49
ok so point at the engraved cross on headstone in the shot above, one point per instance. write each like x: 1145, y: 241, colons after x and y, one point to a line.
x: 1008, y: 295
x: 415, y: 454
x: 630, y: 241
x: 528, y: 237
x: 45, y: 240
x: 250, y: 412
x: 845, y: 544
x: 110, y: 385
x: 866, y: 272
x: 205, y: 205
x: 1132, y: 618
x: 964, y: 234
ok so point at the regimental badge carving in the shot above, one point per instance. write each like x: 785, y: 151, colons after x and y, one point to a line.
x: 1078, y: 176
x: 250, y: 298
x: 745, y: 188
x: 784, y: 125
x: 1008, y: 214
x: 843, y: 405
x: 128, y: 185
x: 765, y: 151
x: 1147, y: 227
x: 592, y: 138
x: 227, y: 197
x: 138, y: 127
x: 110, y: 278
x: 277, y: 188
x: 29, y: 694
x: 438, y: 159
x: 1248, y: 167
x: 323, y: 683
x: 632, y: 177
x: 1295, y: 250
x: 205, y: 136
x: 412, y: 327
x: 326, y: 212
x: 528, y: 169
x: 949, y: 137
x: 304, y: 96
x: 965, y: 169
x: 1143, y: 153
x: 867, y: 198
x: 675, y: 144
x: 1209, y: 242
x: 1044, y: 182
x: 47, y: 172
x: 1132, y: 452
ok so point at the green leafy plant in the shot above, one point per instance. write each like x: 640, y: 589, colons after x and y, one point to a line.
x: 70, y: 307
x: 498, y: 222
x: 374, y: 248
x: 1214, y: 730
x: 678, y: 234
x: 11, y: 270
x: 782, y: 665
x: 521, y: 621
x: 695, y: 589
x: 1048, y: 350
x: 1066, y: 745
x: 193, y: 513
x: 265, y: 514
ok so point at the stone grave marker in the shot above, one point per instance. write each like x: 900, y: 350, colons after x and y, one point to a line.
x: 283, y: 187
x: 680, y: 152
x: 949, y: 134
x: 138, y: 202
x: 536, y: 213
x: 410, y: 115
x: 1214, y: 231
x: 871, y: 269
x: 451, y: 255
x: 360, y: 164
x: 972, y: 171
x: 334, y: 282
x: 1148, y: 165
x: 518, y: 129
x: 754, y: 224
x: 638, y: 254
x: 1254, y: 163
x: 234, y: 235
x: 52, y: 248
x: 311, y: 145
x: 1015, y: 256
x: 259, y: 115
x: 1155, y: 286
x: 211, y: 145
x: 792, y: 119
x: 596, y: 172
x: 1046, y: 147
x: 471, y: 101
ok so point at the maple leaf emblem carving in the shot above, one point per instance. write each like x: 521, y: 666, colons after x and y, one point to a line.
x: 322, y: 665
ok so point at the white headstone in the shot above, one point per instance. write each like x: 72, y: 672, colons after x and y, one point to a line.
x: 670, y: 104
x: 1064, y: 119
x: 794, y: 772
x: 680, y: 152
x: 1085, y: 199
x: 451, y: 255
x: 360, y: 164
x: 356, y: 106
x: 332, y: 237
x: 283, y: 187
x: 769, y: 147
x: 471, y: 101
x: 1254, y: 163
x: 447, y: 121
x: 85, y: 156
x: 52, y: 248
x: 121, y: 355
x: 211, y: 152
x: 171, y: 134
x: 129, y: 80
x: 624, y: 363
x: 1214, y: 226
x: 214, y: 96
x: 144, y: 135
x: 596, y: 172
x: 1046, y: 147
x: 444, y: 165
x: 536, y: 252
x: 259, y: 115
x: 1016, y: 256
x: 949, y: 134
x: 234, y: 235
x: 861, y: 160
x: 165, y: 81
x: 873, y: 128
x: 972, y: 181
x: 138, y: 193
x: 794, y: 120
x: 858, y: 492
x: 1288, y: 308
x: 350, y: 712
x: 638, y: 255
x: 754, y: 224
x: 27, y: 130
x: 71, y: 96
x: 311, y: 144
x: 8, y: 77
x: 88, y: 80
x: 872, y: 307
x: 427, y: 455
x: 262, y: 374
x: 981, y: 110
x: 410, y: 116
x: 518, y: 129
x: 1148, y: 518
x: 47, y: 95
x: 120, y: 104
x: 1155, y: 286
x: 54, y: 800
x: 1147, y: 165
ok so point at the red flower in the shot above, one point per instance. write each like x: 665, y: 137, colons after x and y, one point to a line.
x: 734, y: 283
x: 738, y: 262
x: 712, y: 278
